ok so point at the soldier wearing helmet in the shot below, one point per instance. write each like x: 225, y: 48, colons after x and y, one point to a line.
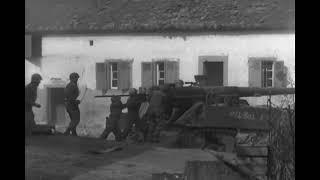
x: 179, y: 83
x: 72, y: 103
x: 30, y: 101
x: 156, y: 113
x: 133, y: 104
x: 113, y: 120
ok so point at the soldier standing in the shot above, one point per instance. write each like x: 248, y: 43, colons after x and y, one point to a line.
x: 30, y: 101
x: 72, y: 103
x: 156, y: 114
x: 114, y: 117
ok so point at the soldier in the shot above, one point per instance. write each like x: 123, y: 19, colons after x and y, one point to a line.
x: 178, y: 109
x: 133, y: 104
x: 30, y: 101
x: 72, y: 103
x: 156, y: 114
x: 179, y: 83
x: 114, y: 117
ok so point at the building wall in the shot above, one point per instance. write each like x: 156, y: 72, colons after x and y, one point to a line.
x: 65, y: 54
x: 62, y: 55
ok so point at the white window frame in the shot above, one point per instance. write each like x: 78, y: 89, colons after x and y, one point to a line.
x: 111, y: 76
x: 272, y: 73
x: 158, y: 73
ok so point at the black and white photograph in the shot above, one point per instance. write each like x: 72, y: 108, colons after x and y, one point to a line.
x: 159, y: 89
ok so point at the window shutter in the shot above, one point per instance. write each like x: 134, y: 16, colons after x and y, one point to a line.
x: 254, y: 72
x: 101, y: 74
x: 280, y: 76
x: 171, y: 71
x: 124, y: 79
x: 146, y: 74
x: 154, y: 72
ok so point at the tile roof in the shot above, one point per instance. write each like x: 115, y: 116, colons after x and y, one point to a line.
x: 92, y: 16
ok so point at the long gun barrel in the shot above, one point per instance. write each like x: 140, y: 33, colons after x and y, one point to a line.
x: 249, y: 91
x: 122, y: 95
x: 193, y: 94
x: 104, y: 96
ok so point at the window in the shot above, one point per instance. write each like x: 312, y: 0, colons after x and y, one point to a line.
x: 160, y: 73
x: 267, y: 74
x: 91, y: 42
x: 114, y: 76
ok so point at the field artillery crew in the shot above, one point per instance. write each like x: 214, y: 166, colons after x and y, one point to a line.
x: 157, y: 114
x: 133, y: 104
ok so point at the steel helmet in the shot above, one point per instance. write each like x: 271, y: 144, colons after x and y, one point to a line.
x: 74, y: 75
x: 36, y: 77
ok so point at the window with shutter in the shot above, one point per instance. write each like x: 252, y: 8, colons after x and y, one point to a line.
x: 266, y: 72
x: 163, y: 71
x: 159, y: 72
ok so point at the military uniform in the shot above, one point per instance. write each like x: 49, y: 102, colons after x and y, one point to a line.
x: 133, y: 105
x: 72, y: 106
x: 30, y: 99
x: 112, y: 122
x: 156, y: 116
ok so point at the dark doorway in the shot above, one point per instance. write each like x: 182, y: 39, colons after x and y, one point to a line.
x: 56, y: 109
x: 214, y: 73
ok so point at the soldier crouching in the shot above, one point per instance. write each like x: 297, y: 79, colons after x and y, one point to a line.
x: 136, y: 124
x: 114, y: 117
x: 30, y: 101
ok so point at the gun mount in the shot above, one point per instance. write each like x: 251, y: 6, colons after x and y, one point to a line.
x: 213, y: 112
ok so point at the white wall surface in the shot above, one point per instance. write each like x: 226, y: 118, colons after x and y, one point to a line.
x: 63, y: 55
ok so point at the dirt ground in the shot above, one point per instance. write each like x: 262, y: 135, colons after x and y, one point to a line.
x: 65, y: 157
